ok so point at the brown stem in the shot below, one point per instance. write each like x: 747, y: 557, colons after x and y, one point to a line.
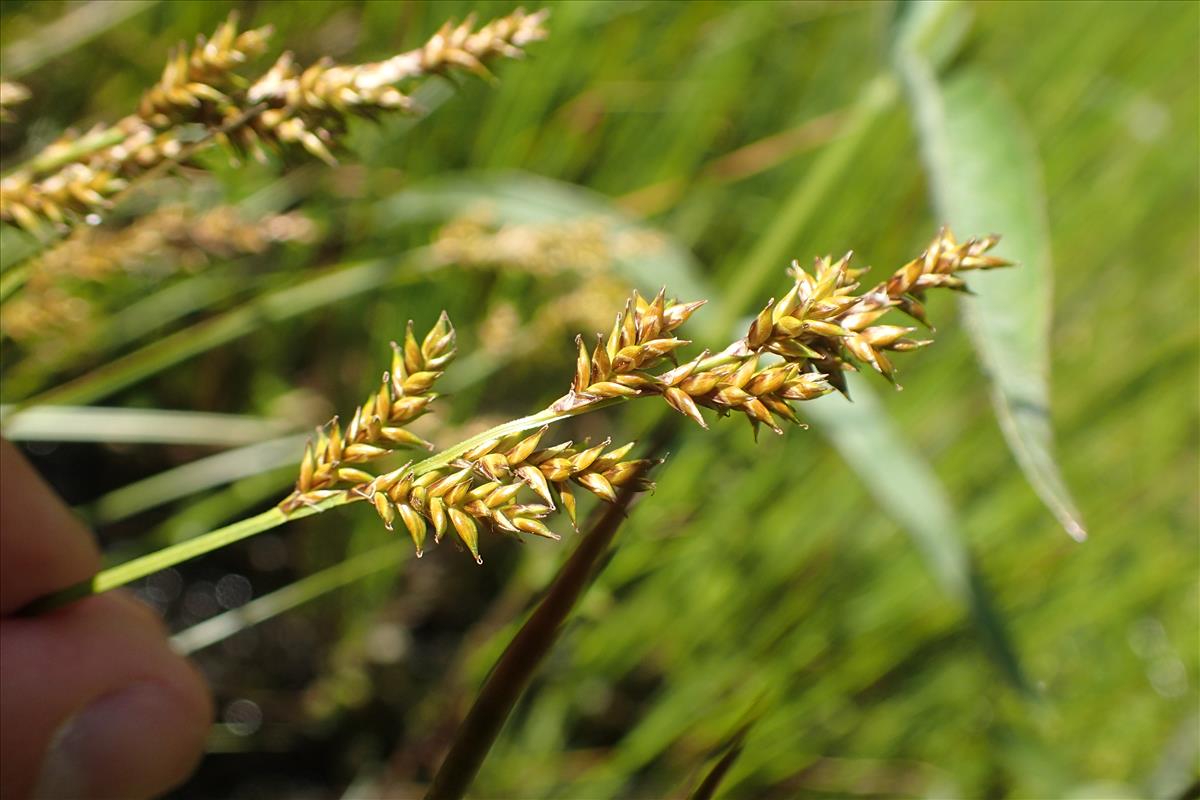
x: 524, y: 654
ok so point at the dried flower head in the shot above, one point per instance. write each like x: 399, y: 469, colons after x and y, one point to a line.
x: 485, y: 487
x: 542, y: 249
x: 309, y: 106
x: 482, y: 486
x: 170, y: 238
x: 76, y: 175
x: 377, y: 426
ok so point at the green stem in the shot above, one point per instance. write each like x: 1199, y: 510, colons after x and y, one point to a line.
x: 184, y: 551
x: 175, y: 554
x: 78, y: 149
x: 168, y: 557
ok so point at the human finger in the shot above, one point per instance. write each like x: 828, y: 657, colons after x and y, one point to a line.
x: 43, y: 546
x: 96, y: 704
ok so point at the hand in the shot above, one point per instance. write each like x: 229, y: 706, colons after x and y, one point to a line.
x: 93, y: 703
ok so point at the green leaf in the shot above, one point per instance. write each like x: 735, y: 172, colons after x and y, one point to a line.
x: 985, y: 176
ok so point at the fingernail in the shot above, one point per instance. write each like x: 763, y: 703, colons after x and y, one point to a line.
x: 127, y: 744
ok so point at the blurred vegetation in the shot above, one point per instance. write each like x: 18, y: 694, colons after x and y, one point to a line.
x: 763, y: 583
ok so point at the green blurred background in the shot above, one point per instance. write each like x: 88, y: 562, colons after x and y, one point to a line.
x: 761, y: 581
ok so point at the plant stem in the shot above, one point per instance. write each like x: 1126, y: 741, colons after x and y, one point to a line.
x: 522, y: 657
x: 49, y: 161
x: 175, y: 554
x: 168, y: 557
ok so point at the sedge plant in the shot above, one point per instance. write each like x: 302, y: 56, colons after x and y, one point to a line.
x: 796, y: 348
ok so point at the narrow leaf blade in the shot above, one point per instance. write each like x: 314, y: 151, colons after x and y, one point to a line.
x: 986, y: 177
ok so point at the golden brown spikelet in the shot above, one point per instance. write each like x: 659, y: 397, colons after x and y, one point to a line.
x: 377, y: 427
x: 507, y: 484
x: 309, y: 106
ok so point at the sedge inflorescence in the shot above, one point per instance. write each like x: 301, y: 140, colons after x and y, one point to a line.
x: 203, y: 97
x: 797, y: 348
x: 481, y: 485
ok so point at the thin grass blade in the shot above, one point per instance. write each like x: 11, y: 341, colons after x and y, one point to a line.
x: 221, y: 627
x: 195, y: 476
x: 138, y: 426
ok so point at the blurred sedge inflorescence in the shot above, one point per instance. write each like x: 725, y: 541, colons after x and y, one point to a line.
x: 203, y: 98
x: 172, y: 238
x: 797, y: 348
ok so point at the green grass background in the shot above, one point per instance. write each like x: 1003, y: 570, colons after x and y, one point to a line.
x: 760, y: 580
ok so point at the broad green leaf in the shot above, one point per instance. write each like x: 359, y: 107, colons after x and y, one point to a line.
x: 986, y: 177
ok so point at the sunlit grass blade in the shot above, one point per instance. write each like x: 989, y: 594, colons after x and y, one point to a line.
x: 193, y: 477
x: 199, y: 516
x: 138, y: 426
x: 985, y: 175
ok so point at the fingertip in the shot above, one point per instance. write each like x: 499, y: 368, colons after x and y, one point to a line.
x: 127, y: 718
x: 43, y: 545
x: 139, y: 741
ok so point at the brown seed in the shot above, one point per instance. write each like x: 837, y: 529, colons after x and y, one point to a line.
x: 467, y: 530
x: 598, y: 485
x: 684, y: 404
x: 537, y: 481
